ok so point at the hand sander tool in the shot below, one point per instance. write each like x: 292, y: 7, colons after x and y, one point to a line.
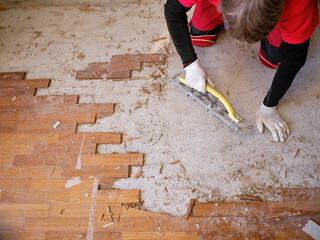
x: 215, y: 102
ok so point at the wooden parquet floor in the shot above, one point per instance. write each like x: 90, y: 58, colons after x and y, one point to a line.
x: 54, y: 185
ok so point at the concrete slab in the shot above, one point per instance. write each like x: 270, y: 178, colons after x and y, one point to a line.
x: 54, y: 39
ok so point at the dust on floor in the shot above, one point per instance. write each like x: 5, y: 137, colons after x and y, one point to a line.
x: 54, y: 39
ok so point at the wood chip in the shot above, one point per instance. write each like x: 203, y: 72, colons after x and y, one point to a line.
x: 56, y: 124
x: 138, y: 174
x: 175, y: 162
x: 157, y: 87
x: 130, y: 139
x: 145, y: 90
x: 190, y: 207
x: 109, y: 213
x: 158, y: 39
x: 298, y: 150
x: 161, y: 168
x: 250, y: 198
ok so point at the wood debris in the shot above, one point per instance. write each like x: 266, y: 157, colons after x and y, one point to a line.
x: 138, y: 174
x: 109, y: 213
x: 298, y: 150
x: 190, y: 207
x: 161, y: 168
x: 145, y: 91
x: 56, y: 124
x: 157, y: 87
x: 175, y: 162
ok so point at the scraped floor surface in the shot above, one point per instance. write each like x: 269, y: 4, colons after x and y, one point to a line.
x: 103, y: 158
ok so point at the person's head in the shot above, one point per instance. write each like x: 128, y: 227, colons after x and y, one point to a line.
x: 251, y: 20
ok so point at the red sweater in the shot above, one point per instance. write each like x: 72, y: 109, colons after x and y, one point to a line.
x: 297, y: 23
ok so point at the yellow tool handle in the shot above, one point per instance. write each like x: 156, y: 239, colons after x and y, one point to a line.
x: 231, y: 112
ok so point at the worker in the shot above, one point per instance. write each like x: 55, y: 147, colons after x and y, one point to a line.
x: 283, y: 27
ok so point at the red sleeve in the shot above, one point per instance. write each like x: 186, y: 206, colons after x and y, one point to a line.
x: 298, y: 20
x: 190, y: 3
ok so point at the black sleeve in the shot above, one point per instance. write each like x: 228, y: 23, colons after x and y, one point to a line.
x: 293, y: 57
x: 177, y: 23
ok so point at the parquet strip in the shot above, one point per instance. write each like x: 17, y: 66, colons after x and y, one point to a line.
x: 257, y: 209
x: 106, y: 196
x: 12, y: 75
x: 32, y: 138
x: 23, y: 235
x: 112, y: 159
x: 60, y: 184
x: 6, y: 160
x: 29, y: 172
x: 97, y: 171
x: 32, y: 83
x: 14, y: 184
x: 24, y: 210
x: 301, y: 194
x: 74, y: 235
x: 17, y: 92
x: 45, y: 160
x: 159, y: 235
x: 34, y: 196
x: 56, y: 224
x: 12, y: 223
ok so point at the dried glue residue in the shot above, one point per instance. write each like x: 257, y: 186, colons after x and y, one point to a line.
x: 72, y: 182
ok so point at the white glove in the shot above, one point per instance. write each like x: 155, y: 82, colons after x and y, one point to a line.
x: 196, y: 76
x: 270, y: 117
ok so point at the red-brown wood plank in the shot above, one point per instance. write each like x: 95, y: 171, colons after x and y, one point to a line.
x: 155, y: 57
x: 32, y: 83
x: 17, y: 92
x: 15, y: 184
x: 12, y: 75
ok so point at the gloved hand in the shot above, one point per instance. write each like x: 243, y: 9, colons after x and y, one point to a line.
x: 270, y: 117
x: 197, y: 77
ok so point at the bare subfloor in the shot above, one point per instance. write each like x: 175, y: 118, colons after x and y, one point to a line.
x: 54, y: 39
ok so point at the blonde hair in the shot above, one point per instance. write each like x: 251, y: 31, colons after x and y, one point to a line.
x: 251, y: 20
